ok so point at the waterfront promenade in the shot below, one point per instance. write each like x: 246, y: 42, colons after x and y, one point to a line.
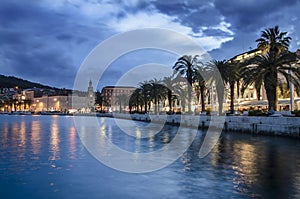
x: 282, y: 126
x: 279, y: 126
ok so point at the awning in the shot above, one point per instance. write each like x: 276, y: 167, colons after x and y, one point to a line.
x: 265, y: 102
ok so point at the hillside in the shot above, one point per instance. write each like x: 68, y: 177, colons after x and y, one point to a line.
x: 11, y: 82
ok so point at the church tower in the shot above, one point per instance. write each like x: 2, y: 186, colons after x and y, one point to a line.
x: 91, y: 95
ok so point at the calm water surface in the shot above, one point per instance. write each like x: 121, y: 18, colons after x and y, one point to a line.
x: 43, y: 157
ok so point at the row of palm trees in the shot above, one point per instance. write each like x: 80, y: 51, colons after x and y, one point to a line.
x: 152, y: 92
x: 193, y: 76
x: 190, y: 76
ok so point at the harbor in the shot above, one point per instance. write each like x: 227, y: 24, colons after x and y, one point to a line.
x: 42, y: 156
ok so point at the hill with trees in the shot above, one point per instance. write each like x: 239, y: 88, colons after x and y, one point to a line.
x: 11, y: 82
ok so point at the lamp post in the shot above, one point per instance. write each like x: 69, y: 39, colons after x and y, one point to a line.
x: 291, y: 92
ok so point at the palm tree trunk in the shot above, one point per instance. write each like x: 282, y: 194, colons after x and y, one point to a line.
x: 130, y: 108
x: 220, y: 93
x: 257, y: 89
x: 232, y: 98
x: 238, y: 88
x: 170, y: 99
x: 155, y: 104
x: 202, y: 89
x: 198, y: 94
x: 189, y: 98
x: 272, y: 101
x: 145, y: 102
x: 270, y: 83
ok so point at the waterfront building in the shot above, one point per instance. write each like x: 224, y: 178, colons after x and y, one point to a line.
x: 23, y: 100
x: 51, y: 103
x: 248, y: 97
x: 77, y: 101
x: 90, y: 95
x: 248, y: 94
x: 112, y: 96
x: 246, y: 55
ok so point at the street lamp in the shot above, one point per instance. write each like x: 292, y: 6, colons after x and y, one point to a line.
x: 291, y: 91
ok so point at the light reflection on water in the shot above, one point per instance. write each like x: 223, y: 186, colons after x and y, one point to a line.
x: 43, y: 157
x: 54, y: 140
x: 72, y: 147
x: 36, y: 137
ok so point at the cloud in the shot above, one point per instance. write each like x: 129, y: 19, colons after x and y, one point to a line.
x: 252, y: 15
x: 64, y: 36
x: 248, y: 18
x: 52, y: 37
x: 158, y: 20
x: 44, y: 43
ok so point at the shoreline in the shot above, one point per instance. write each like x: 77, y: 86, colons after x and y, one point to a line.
x: 255, y: 125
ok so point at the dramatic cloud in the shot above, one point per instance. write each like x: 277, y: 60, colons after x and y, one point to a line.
x: 249, y: 18
x: 47, y: 40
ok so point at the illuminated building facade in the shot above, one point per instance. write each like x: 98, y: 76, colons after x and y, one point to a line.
x: 77, y: 101
x: 111, y: 93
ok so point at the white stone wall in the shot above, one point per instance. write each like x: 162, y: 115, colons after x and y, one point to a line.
x: 287, y: 126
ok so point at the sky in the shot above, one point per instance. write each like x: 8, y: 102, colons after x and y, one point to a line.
x: 46, y: 41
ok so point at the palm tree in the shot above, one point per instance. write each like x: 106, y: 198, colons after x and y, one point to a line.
x: 121, y: 100
x: 276, y: 60
x: 200, y: 75
x: 185, y: 65
x: 145, y: 91
x: 224, y: 72
x: 258, y: 83
x: 273, y: 40
x: 171, y: 84
x: 217, y: 71
x: 136, y: 99
x: 267, y: 68
x: 231, y: 77
x: 168, y: 83
x: 182, y: 95
x: 157, y: 93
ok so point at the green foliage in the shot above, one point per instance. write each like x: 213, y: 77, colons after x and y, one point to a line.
x: 276, y: 59
x: 11, y: 82
x: 296, y: 113
x: 185, y: 66
x: 257, y: 113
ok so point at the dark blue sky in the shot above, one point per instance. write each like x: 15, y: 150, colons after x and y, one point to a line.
x: 47, y: 40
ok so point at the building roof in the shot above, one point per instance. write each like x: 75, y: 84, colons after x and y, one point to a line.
x: 246, y: 55
x: 121, y: 87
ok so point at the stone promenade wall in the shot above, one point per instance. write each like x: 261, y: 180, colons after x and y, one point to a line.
x: 285, y: 126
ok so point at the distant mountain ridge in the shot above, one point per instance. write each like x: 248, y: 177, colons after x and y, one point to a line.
x: 11, y: 82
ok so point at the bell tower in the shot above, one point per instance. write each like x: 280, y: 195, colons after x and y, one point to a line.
x: 91, y: 95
